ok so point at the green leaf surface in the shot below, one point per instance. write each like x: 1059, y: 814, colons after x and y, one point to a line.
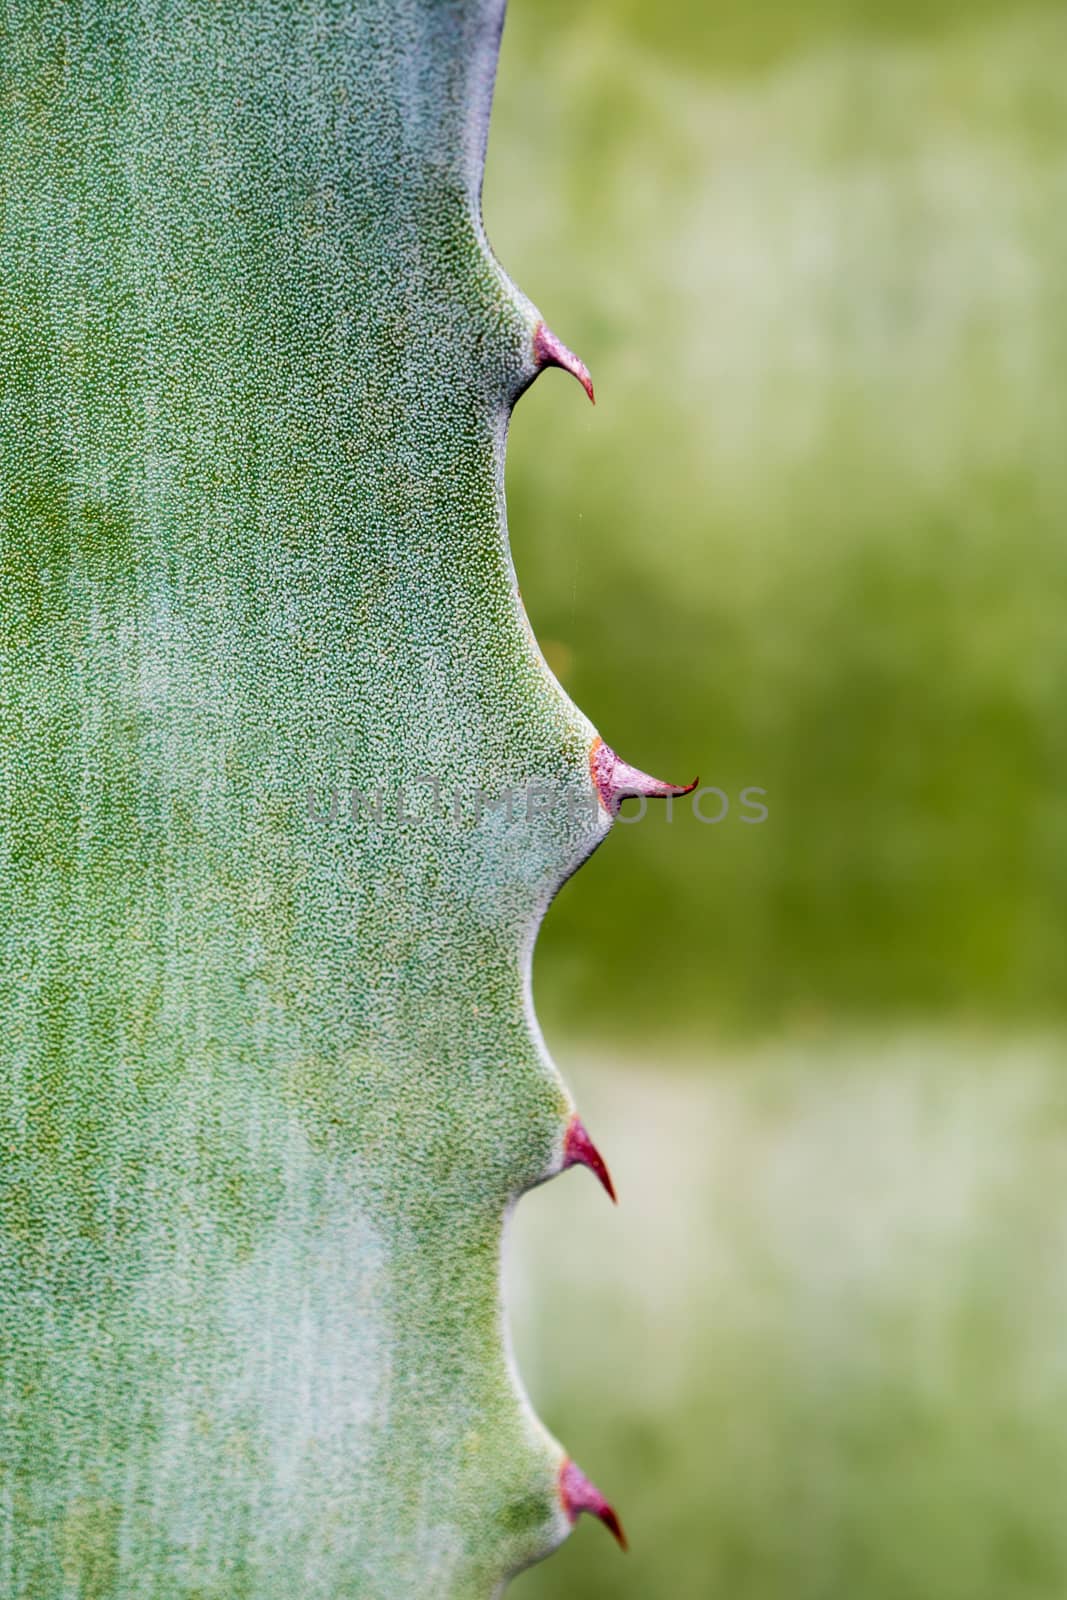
x: 270, y: 1075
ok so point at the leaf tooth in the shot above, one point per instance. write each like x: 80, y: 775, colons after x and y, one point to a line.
x: 577, y: 1494
x: 580, y: 1151
x: 548, y: 351
x: 616, y: 780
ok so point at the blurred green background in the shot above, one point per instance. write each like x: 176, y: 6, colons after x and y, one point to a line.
x: 810, y: 540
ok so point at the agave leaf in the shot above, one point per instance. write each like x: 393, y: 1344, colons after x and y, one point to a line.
x: 270, y: 1074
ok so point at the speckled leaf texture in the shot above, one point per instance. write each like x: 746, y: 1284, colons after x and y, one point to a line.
x: 270, y: 1079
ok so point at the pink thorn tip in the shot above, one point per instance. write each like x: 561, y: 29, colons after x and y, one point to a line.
x: 616, y: 780
x: 577, y: 1494
x: 580, y: 1151
x: 548, y: 351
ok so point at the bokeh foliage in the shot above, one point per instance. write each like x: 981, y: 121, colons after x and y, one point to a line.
x: 818, y: 1352
x: 811, y: 539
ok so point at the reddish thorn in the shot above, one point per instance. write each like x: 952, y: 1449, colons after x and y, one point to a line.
x: 577, y: 1494
x: 615, y: 780
x: 548, y: 351
x: 580, y: 1151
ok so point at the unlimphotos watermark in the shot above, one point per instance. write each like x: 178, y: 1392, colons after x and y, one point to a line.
x: 424, y: 799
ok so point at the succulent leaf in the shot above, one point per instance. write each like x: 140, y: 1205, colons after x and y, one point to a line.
x: 286, y: 789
